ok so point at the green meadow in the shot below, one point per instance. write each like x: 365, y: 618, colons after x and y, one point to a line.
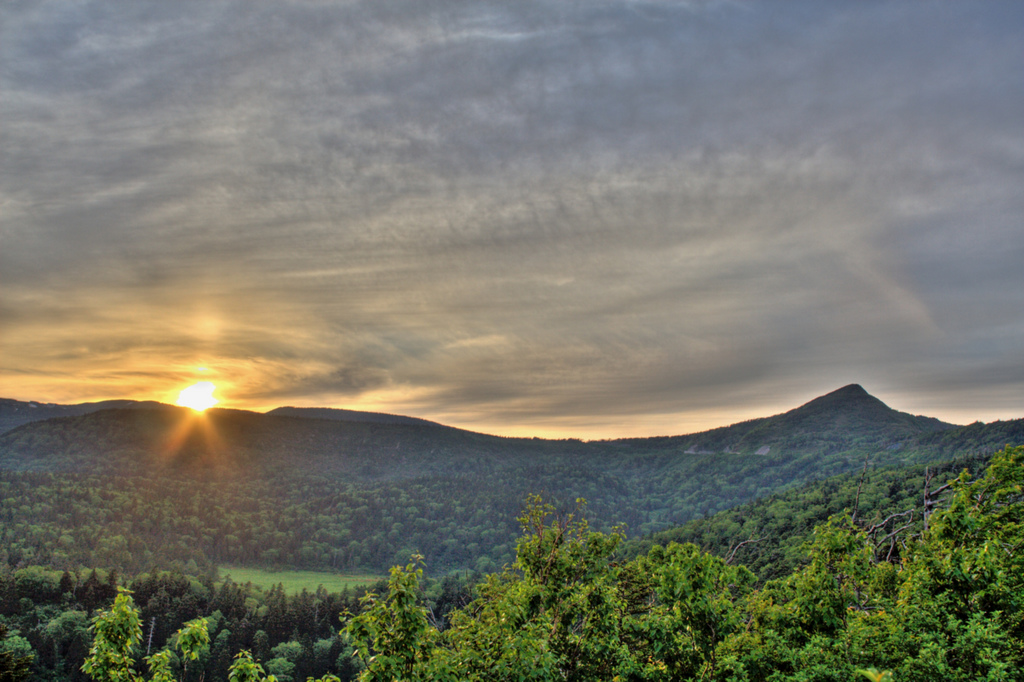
x: 295, y: 581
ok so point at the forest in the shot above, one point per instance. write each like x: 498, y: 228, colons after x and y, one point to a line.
x: 935, y: 592
x: 137, y: 490
x: 137, y: 511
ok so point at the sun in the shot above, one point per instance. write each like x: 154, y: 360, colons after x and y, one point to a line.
x: 198, y: 396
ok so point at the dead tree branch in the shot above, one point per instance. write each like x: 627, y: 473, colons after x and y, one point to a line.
x: 734, y: 549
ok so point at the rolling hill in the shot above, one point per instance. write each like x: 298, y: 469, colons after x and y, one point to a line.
x: 14, y: 413
x: 348, y: 415
x: 137, y: 488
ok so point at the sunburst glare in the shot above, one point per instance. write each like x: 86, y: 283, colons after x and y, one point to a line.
x: 198, y: 396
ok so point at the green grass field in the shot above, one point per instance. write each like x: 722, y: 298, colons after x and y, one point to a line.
x: 295, y: 581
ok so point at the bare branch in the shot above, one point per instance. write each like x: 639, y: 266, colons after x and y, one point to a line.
x: 881, y: 524
x: 856, y: 501
x: 894, y: 533
x: 927, y: 482
x: 734, y: 549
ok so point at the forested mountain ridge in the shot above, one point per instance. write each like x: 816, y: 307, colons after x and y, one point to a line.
x: 14, y: 413
x: 348, y: 415
x: 237, y: 441
x: 850, y: 412
x: 767, y: 535
x: 947, y: 605
x: 847, y: 417
x: 134, y: 489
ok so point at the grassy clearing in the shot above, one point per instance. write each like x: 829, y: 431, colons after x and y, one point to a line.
x: 295, y: 581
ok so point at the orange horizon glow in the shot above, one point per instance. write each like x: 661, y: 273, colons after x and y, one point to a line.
x: 237, y: 385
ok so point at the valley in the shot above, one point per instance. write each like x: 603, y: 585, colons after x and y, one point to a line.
x: 271, y: 525
x: 152, y: 486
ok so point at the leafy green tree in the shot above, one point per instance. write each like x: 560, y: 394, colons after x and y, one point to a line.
x: 963, y: 590
x: 68, y: 635
x: 952, y: 609
x: 193, y: 640
x: 245, y: 669
x: 696, y: 608
x: 116, y: 632
x: 15, y: 663
x: 949, y: 607
x: 392, y: 634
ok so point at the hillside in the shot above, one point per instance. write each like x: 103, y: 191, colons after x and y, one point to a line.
x: 776, y: 528
x: 844, y: 419
x: 237, y: 442
x: 779, y: 524
x: 132, y: 489
x: 348, y: 415
x: 849, y: 598
x: 14, y: 413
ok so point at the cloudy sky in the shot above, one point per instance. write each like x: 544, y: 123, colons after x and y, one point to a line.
x: 544, y: 217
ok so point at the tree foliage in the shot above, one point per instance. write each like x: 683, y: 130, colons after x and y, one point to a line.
x: 14, y: 665
x: 134, y: 490
x: 949, y: 606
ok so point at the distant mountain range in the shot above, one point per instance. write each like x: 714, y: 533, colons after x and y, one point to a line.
x: 15, y: 412
x: 321, y: 488
x: 842, y: 418
x: 348, y: 415
x: 370, y: 445
x: 850, y: 408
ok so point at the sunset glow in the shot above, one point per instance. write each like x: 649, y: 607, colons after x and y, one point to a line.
x: 613, y: 219
x: 198, y: 396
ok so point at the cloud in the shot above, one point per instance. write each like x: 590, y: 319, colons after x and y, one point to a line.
x: 574, y: 214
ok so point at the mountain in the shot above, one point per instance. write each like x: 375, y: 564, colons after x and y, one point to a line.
x: 854, y: 408
x: 348, y: 415
x: 176, y: 440
x: 846, y: 418
x: 14, y: 413
x: 769, y: 533
x: 138, y: 488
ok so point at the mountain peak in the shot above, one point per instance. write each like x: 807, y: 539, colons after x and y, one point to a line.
x: 851, y: 407
x: 851, y: 397
x: 851, y: 393
x: 850, y: 390
x: 847, y: 416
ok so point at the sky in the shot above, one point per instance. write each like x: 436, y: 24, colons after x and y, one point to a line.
x: 555, y: 218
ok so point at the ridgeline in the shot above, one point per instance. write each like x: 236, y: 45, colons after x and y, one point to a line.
x: 148, y: 485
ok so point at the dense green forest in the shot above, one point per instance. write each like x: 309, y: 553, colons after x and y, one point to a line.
x: 49, y: 614
x: 948, y: 606
x: 728, y: 554
x: 154, y: 488
x: 768, y: 534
